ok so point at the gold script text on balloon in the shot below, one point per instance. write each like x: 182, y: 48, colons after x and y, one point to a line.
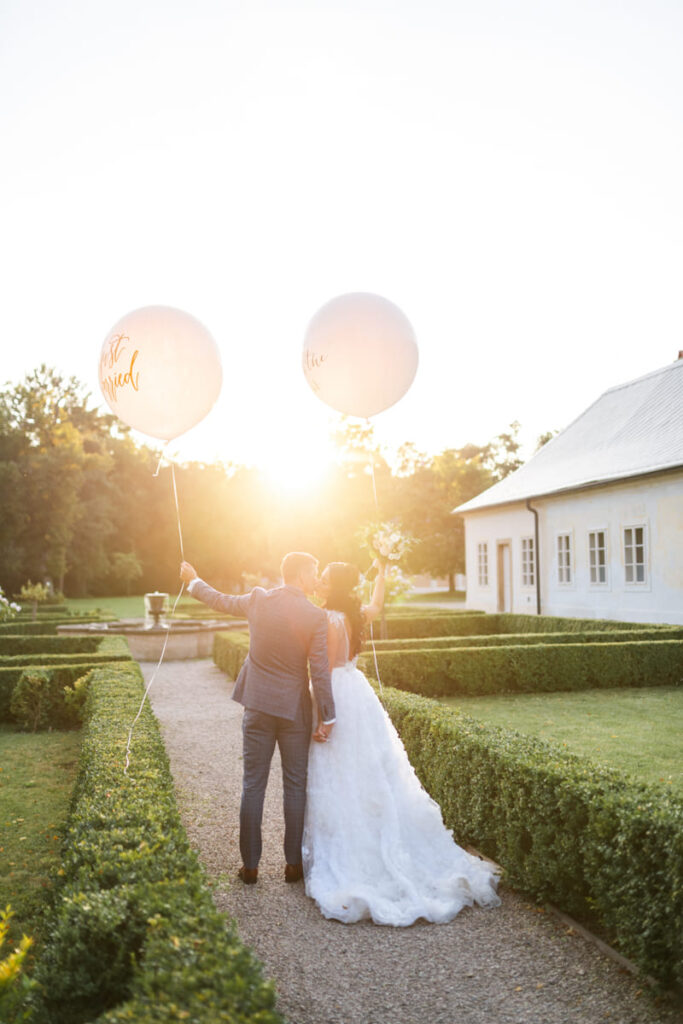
x: 312, y: 362
x: 116, y: 378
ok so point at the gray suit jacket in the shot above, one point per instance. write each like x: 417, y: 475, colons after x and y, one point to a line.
x: 287, y: 633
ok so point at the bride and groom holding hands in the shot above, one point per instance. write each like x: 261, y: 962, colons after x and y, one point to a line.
x: 360, y: 830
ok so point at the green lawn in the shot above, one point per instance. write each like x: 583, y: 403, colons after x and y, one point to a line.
x: 37, y: 773
x: 121, y: 607
x: 635, y: 730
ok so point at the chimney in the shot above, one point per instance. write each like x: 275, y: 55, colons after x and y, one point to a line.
x: 680, y: 354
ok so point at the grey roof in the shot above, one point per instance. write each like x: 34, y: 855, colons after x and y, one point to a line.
x: 632, y: 429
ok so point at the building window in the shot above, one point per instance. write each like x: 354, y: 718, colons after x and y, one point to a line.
x: 528, y: 563
x: 483, y: 564
x: 564, y: 558
x: 597, y: 556
x: 634, y: 554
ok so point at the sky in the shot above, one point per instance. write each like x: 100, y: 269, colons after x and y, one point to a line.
x: 507, y: 172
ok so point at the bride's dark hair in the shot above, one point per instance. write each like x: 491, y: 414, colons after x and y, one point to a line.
x: 343, y: 579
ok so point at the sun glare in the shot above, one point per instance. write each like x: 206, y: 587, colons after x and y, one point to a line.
x: 293, y: 472
x: 294, y: 461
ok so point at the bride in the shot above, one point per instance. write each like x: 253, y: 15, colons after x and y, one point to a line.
x: 374, y: 843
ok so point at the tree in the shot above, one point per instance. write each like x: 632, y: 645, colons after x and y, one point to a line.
x: 35, y: 594
x: 501, y: 455
x: 427, y: 490
x: 126, y: 567
x: 426, y: 499
x: 543, y: 439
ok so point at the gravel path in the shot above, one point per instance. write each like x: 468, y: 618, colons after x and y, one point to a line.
x: 510, y: 965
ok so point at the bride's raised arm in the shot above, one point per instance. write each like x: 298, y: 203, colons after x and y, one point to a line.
x: 372, y: 610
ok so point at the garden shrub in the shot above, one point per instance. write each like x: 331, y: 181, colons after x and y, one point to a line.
x: 61, y: 675
x: 396, y: 610
x: 510, y: 639
x: 230, y: 651
x: 429, y: 624
x: 15, y: 985
x: 530, y: 668
x: 33, y: 700
x: 47, y: 624
x: 507, y: 622
x: 61, y: 659
x: 133, y: 934
x: 41, y: 700
x: 13, y: 644
x: 43, y: 609
x: 605, y: 849
x: 121, y: 654
x: 24, y: 627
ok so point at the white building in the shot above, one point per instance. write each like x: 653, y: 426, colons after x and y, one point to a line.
x: 592, y: 525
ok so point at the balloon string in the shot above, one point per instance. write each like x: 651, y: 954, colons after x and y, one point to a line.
x: 168, y: 631
x: 149, y: 684
x: 372, y: 635
x: 161, y: 459
x: 374, y: 655
x: 177, y: 511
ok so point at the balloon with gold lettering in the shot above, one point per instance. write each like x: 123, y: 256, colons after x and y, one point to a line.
x: 360, y: 354
x: 160, y: 371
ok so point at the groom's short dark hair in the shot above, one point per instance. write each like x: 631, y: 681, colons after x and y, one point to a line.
x: 294, y: 564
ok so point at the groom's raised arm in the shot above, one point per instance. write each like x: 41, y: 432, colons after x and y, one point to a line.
x: 231, y: 604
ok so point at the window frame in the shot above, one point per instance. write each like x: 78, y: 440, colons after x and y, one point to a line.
x: 483, y: 577
x: 636, y: 584
x: 598, y: 584
x: 567, y: 566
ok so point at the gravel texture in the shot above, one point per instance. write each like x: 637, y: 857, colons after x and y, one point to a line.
x: 513, y: 964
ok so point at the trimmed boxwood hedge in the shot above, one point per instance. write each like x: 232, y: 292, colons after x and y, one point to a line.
x: 396, y: 610
x: 530, y: 668
x: 63, y: 671
x: 62, y: 659
x: 42, y: 609
x: 133, y: 934
x: 442, y: 672
x: 606, y: 850
x: 21, y: 643
x: 423, y: 625
x: 17, y: 627
x: 510, y: 639
x: 60, y: 676
x: 111, y: 648
x: 483, y: 624
x: 47, y: 624
x: 230, y: 651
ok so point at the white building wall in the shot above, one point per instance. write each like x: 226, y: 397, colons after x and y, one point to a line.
x: 654, y: 503
x: 496, y: 528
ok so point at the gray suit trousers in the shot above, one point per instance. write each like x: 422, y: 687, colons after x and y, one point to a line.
x: 260, y: 733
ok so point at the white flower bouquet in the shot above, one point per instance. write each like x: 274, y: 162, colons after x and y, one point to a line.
x: 386, y: 542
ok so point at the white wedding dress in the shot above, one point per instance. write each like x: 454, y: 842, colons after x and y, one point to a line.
x: 375, y: 845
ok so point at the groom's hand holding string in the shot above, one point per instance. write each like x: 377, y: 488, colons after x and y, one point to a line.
x: 187, y: 572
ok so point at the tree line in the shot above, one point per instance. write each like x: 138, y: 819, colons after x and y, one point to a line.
x: 81, y: 506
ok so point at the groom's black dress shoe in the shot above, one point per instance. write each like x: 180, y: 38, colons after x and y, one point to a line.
x: 248, y: 875
x: 294, y: 872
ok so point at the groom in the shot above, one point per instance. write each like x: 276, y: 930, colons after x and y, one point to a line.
x: 287, y: 633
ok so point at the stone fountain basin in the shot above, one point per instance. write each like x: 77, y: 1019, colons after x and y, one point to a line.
x: 187, y: 638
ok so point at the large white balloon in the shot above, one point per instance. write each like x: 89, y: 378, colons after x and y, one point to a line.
x: 360, y: 354
x: 160, y: 371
